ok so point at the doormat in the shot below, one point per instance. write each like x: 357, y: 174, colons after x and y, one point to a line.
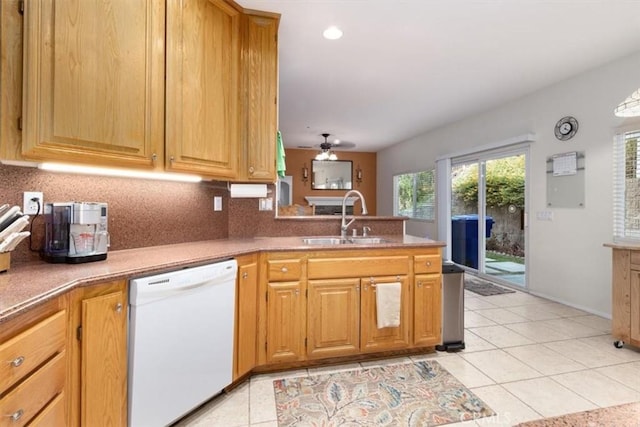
x: 411, y: 394
x: 484, y: 288
x: 627, y: 415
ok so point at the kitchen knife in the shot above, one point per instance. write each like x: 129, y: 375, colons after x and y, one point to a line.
x: 15, y: 227
x: 9, y: 217
x: 12, y: 241
x: 4, y: 208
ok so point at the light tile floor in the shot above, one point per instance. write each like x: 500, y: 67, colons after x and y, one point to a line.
x: 526, y: 357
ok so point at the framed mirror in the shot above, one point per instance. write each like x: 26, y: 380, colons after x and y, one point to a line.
x: 331, y: 175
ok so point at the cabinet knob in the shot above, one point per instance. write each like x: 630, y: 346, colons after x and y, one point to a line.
x: 16, y: 415
x: 428, y: 263
x: 251, y: 170
x: 297, y: 292
x: 284, y: 269
x: 419, y: 284
x: 118, y: 308
x: 245, y: 275
x: 154, y: 157
x: 17, y: 361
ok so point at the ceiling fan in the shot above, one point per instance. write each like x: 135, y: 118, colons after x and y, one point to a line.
x: 327, y: 147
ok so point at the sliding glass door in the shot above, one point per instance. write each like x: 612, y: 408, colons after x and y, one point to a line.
x: 488, y: 215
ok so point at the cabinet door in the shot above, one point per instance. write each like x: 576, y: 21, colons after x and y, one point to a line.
x: 333, y: 309
x: 94, y: 81
x: 285, y: 322
x: 427, y: 325
x: 104, y: 360
x: 635, y: 308
x: 247, y: 316
x: 374, y: 339
x: 260, y: 75
x: 203, y: 63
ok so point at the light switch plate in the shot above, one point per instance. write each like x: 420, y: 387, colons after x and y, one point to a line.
x: 217, y: 203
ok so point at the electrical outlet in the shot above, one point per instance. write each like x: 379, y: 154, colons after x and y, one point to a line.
x: 30, y: 206
x: 217, y: 203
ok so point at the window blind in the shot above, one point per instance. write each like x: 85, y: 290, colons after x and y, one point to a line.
x: 626, y: 187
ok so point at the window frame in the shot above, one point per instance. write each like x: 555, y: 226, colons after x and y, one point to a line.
x: 432, y: 208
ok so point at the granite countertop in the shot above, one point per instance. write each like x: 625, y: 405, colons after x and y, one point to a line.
x: 28, y: 284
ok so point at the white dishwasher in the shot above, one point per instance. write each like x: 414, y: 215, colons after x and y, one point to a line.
x: 180, y: 341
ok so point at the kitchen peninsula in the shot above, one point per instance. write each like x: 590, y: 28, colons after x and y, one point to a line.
x: 284, y: 291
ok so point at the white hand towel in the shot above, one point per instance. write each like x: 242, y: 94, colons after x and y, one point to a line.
x: 388, y: 304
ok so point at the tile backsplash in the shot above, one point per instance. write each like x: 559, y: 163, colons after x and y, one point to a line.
x: 141, y: 212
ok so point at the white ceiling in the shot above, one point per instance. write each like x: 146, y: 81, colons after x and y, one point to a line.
x: 404, y: 67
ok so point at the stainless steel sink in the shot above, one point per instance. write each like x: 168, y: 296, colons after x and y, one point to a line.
x: 324, y: 241
x: 359, y: 240
x: 362, y: 240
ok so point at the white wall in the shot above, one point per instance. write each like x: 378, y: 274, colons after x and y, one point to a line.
x: 567, y: 261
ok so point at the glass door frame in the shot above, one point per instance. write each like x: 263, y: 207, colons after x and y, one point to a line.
x: 481, y: 158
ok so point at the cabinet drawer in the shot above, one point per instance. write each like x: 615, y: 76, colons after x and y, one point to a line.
x: 29, y: 349
x: 427, y: 264
x: 284, y: 269
x: 33, y: 394
x: 52, y: 415
x: 635, y: 258
x: 337, y: 268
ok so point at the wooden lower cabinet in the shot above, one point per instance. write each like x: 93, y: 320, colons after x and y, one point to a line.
x: 246, y: 316
x: 373, y: 339
x: 340, y: 303
x: 427, y: 310
x: 333, y: 310
x: 625, y: 322
x: 33, y: 375
x: 285, y: 322
x: 98, y: 342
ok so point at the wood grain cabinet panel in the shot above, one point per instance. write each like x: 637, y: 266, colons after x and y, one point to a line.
x: 203, y: 87
x: 98, y: 344
x: 246, y: 316
x: 260, y: 108
x: 32, y: 395
x: 427, y: 300
x: 27, y: 351
x: 286, y: 322
x: 94, y: 82
x: 333, y: 309
x: 375, y: 339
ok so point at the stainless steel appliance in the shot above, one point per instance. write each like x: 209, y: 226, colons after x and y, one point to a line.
x: 180, y: 341
x: 75, y: 232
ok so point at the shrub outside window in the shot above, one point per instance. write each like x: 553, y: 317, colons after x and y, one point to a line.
x: 415, y: 195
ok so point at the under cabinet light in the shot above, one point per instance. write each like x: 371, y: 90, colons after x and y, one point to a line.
x: 124, y: 173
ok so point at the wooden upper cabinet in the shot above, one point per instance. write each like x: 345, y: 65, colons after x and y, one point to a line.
x: 94, y: 82
x: 203, y: 87
x: 260, y: 92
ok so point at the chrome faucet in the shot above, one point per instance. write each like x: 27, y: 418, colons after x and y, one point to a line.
x: 345, y: 225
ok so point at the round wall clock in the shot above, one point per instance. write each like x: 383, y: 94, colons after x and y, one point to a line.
x: 566, y: 128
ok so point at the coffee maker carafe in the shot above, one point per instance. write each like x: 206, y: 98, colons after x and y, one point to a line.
x: 75, y: 232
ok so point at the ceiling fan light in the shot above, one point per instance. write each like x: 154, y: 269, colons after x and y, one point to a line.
x: 332, y: 33
x: 333, y: 156
x: 630, y: 107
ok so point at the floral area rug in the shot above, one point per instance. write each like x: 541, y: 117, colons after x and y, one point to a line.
x: 411, y: 394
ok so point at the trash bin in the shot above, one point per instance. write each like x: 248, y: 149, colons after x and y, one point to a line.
x: 464, y: 238
x: 452, y: 307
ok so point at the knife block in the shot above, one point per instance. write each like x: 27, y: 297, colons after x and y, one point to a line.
x: 5, y: 261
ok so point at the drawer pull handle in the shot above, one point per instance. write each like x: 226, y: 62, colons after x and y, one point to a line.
x: 17, y: 361
x: 16, y: 415
x: 245, y: 275
x: 419, y: 284
x: 284, y: 269
x: 428, y: 263
x: 119, y: 307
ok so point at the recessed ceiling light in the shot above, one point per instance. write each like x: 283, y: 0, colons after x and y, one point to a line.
x: 332, y: 33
